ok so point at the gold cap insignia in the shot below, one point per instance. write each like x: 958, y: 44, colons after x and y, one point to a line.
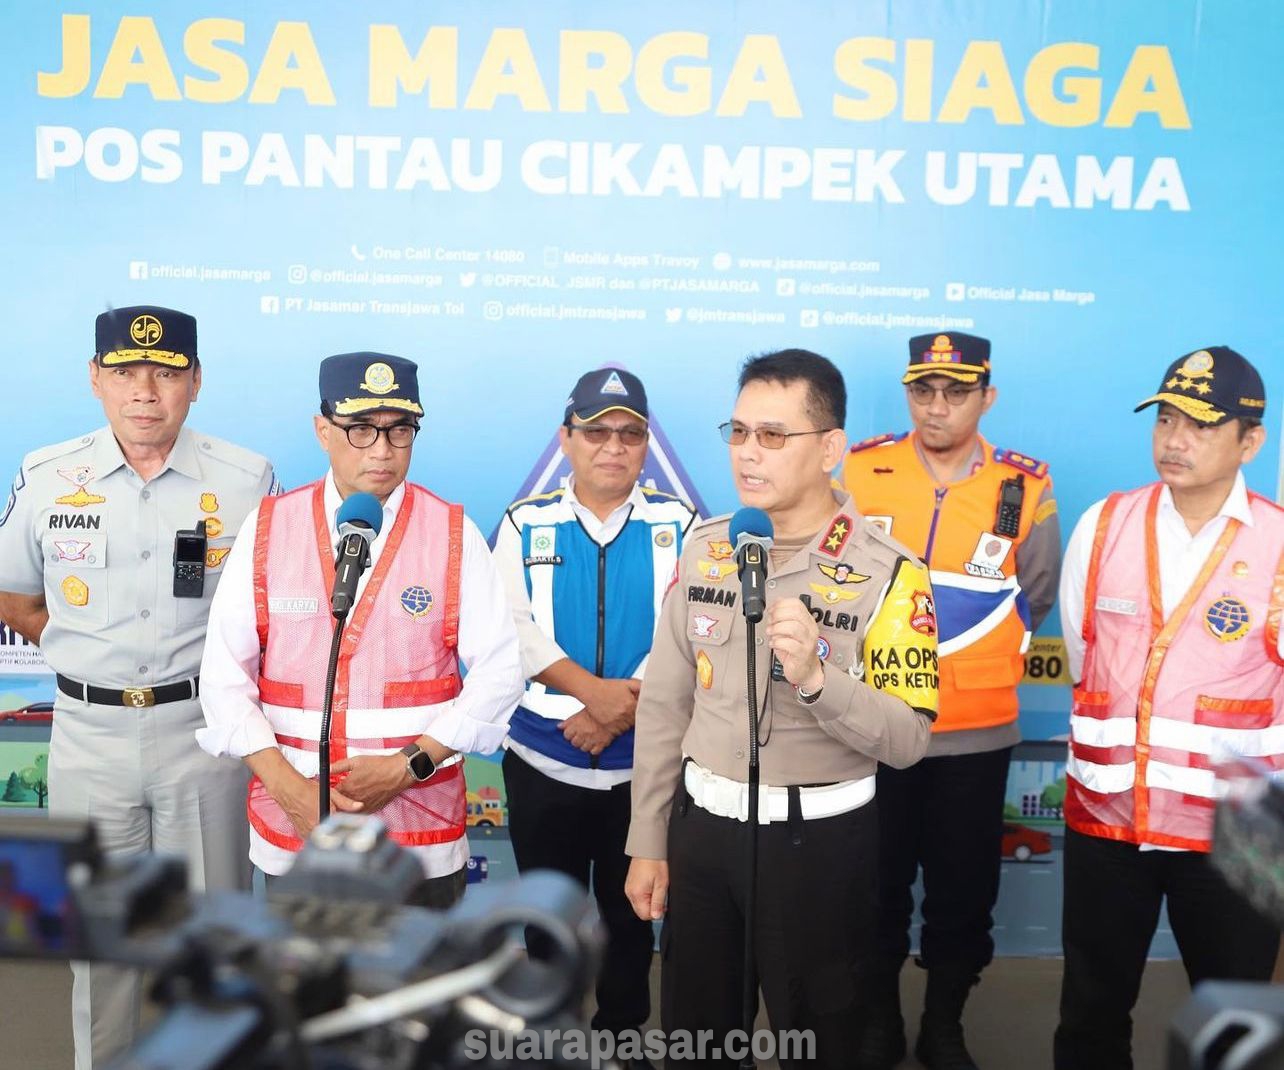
x: 379, y: 379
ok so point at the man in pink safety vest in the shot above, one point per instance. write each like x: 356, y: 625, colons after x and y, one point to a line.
x: 430, y: 601
x: 1171, y: 600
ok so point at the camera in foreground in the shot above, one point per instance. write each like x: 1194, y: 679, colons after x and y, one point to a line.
x: 330, y: 970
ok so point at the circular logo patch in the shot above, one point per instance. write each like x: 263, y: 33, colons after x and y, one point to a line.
x: 822, y: 648
x: 664, y: 537
x: 416, y: 600
x: 379, y: 379
x: 146, y: 330
x: 1227, y: 619
x: 1198, y: 364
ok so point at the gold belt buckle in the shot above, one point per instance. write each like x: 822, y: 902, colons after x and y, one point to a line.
x: 138, y: 697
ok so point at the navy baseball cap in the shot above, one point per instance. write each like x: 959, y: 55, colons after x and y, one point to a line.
x: 145, y: 334
x: 603, y: 390
x: 1212, y: 386
x: 964, y: 357
x: 356, y: 383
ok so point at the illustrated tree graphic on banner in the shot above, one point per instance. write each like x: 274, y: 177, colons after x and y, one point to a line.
x: 35, y: 777
x: 15, y: 791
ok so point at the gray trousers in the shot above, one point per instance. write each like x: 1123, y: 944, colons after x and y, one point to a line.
x: 139, y: 775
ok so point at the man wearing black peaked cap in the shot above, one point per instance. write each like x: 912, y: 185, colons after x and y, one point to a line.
x: 430, y: 605
x: 112, y: 545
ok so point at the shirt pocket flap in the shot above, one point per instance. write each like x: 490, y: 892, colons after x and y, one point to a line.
x: 709, y: 625
x: 76, y: 549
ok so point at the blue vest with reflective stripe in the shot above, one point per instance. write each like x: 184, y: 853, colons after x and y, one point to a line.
x: 600, y: 604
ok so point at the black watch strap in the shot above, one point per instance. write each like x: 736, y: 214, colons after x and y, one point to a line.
x: 418, y: 762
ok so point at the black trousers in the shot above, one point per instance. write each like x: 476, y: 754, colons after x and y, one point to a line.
x: 1110, y: 908
x: 814, y: 926
x: 581, y: 832
x: 946, y: 815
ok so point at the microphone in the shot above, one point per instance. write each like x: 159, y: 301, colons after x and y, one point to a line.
x: 751, y: 533
x: 360, y: 518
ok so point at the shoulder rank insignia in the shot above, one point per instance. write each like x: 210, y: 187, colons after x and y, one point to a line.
x: 877, y: 440
x: 835, y: 538
x: 1022, y: 463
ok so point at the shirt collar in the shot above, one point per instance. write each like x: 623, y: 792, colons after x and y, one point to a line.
x: 183, y: 457
x: 975, y: 460
x: 333, y: 502
x: 1235, y: 507
x: 634, y: 499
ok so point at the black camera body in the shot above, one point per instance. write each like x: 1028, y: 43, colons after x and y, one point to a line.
x: 330, y: 970
x: 1230, y: 1025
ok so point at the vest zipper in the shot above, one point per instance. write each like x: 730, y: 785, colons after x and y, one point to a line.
x: 931, y: 531
x: 601, y: 624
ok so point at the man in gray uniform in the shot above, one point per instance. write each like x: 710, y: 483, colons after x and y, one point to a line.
x: 111, y: 546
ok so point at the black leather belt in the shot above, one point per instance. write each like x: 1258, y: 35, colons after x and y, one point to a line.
x: 138, y: 697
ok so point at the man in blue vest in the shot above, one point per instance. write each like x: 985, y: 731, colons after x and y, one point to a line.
x: 586, y: 568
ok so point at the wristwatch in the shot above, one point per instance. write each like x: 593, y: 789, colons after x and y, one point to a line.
x: 419, y: 763
x: 808, y: 697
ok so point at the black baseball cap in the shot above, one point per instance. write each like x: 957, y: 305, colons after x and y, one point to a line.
x: 604, y: 390
x: 1212, y: 386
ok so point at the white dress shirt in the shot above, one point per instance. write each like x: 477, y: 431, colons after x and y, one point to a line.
x: 539, y: 650
x: 1181, y: 556
x: 475, y: 721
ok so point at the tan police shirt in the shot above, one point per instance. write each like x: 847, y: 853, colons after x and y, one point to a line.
x: 873, y: 604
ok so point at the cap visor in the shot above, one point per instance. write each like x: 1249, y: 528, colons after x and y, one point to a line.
x: 581, y: 414
x: 1192, y: 407
x: 964, y: 373
x: 166, y: 357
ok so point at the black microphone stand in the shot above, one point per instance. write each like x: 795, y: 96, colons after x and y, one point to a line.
x: 751, y: 888
x: 332, y: 668
x: 327, y: 708
x: 754, y: 555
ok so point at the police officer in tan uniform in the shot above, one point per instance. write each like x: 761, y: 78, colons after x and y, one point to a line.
x: 846, y: 674
x: 103, y: 565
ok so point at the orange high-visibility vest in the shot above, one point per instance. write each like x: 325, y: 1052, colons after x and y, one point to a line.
x: 981, y: 610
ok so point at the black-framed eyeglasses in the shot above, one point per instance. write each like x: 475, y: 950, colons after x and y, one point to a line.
x: 735, y: 434
x: 599, y: 434
x: 362, y: 436
x: 955, y: 394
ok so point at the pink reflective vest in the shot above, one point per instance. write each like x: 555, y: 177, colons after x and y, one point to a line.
x: 1159, y: 699
x: 397, y: 662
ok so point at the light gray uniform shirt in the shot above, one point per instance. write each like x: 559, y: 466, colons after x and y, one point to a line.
x: 85, y: 530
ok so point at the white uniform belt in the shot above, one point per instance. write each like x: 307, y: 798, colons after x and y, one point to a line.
x: 724, y: 797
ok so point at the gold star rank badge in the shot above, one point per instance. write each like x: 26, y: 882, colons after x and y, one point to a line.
x: 836, y: 538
